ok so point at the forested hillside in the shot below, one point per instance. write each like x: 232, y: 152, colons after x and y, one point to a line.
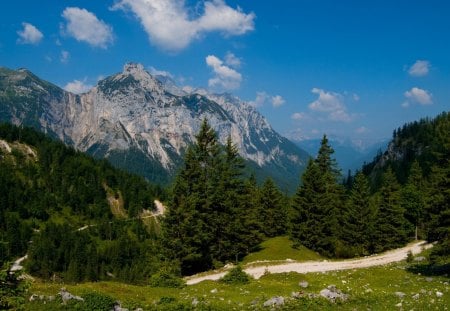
x: 404, y: 194
x: 76, y: 217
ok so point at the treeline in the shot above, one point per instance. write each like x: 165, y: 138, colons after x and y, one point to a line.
x: 48, y: 191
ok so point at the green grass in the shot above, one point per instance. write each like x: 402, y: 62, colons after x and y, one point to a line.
x: 373, y: 288
x: 368, y: 289
x: 280, y: 249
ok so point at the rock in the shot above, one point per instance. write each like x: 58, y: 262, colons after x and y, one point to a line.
x: 303, y: 284
x: 400, y: 294
x: 33, y: 297
x: 423, y: 291
x: 399, y: 305
x: 428, y: 279
x: 332, y: 293
x: 439, y: 294
x: 66, y: 296
x: 419, y: 258
x: 369, y: 290
x: 118, y: 307
x: 296, y: 295
x: 195, y: 302
x: 416, y: 296
x: 274, y: 302
x: 213, y: 291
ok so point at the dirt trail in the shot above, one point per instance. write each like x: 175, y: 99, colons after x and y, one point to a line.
x: 322, y: 266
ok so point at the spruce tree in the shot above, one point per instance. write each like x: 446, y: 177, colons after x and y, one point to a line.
x: 390, y: 225
x: 273, y: 209
x: 305, y: 223
x: 359, y: 219
x: 318, y: 204
x: 412, y: 199
x: 208, y: 222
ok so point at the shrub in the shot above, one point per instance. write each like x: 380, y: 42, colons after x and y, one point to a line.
x: 97, y: 302
x: 166, y: 279
x: 236, y: 276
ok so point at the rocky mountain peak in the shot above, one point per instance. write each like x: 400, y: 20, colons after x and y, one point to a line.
x: 145, y: 123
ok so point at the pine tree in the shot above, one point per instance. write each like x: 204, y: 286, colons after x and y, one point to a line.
x: 273, y: 209
x: 305, y: 223
x: 208, y: 221
x: 318, y: 204
x: 412, y: 199
x: 359, y: 218
x: 390, y: 225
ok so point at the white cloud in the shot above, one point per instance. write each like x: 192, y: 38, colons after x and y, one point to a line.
x: 64, y: 56
x: 85, y: 26
x: 356, y: 97
x: 298, y: 116
x: 168, y: 24
x: 420, y: 68
x: 263, y: 98
x: 277, y: 101
x: 29, y: 34
x: 417, y: 95
x: 232, y: 61
x: 224, y: 76
x: 331, y: 104
x: 157, y: 72
x: 77, y: 86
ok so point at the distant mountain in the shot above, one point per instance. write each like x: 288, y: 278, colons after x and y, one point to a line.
x: 350, y: 155
x: 144, y: 123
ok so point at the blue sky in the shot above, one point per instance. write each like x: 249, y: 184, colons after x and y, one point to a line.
x: 354, y: 69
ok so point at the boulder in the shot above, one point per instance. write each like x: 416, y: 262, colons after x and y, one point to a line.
x: 303, y: 284
x: 274, y: 302
x: 400, y: 294
x: 66, y: 296
x: 332, y: 294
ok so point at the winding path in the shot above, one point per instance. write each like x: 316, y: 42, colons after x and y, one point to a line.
x: 322, y: 266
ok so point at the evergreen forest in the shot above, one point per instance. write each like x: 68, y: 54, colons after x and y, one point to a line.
x: 80, y: 219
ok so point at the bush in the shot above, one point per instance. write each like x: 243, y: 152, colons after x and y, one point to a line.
x: 12, y: 289
x: 236, y: 276
x: 97, y: 302
x: 166, y: 279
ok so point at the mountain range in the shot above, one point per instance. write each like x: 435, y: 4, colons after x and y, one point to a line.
x: 350, y: 155
x: 144, y: 123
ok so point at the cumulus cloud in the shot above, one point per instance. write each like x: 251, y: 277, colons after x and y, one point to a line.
x: 417, y: 96
x: 224, y: 77
x: 29, y: 34
x: 85, y: 26
x: 77, y: 86
x: 277, y: 101
x: 64, y: 58
x: 168, y: 24
x: 331, y: 104
x: 297, y: 116
x: 232, y: 61
x: 263, y: 98
x: 420, y: 68
x: 157, y: 72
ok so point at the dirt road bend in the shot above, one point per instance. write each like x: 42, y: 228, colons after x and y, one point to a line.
x: 321, y: 266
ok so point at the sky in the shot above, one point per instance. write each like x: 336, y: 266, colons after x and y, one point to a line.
x: 348, y: 69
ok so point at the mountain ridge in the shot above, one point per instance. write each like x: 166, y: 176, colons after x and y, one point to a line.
x: 139, y: 124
